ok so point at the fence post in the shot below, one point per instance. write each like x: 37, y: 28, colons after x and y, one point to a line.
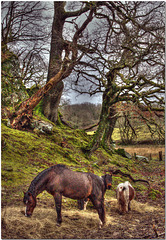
x: 150, y: 157
x: 160, y: 156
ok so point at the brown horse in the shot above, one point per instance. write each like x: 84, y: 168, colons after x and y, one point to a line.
x: 60, y: 181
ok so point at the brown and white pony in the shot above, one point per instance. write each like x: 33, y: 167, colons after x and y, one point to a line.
x: 124, y: 194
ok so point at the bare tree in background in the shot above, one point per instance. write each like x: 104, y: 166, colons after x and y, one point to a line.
x: 24, y: 33
x: 128, y: 63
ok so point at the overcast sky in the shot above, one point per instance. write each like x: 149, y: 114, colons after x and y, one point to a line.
x: 77, y: 98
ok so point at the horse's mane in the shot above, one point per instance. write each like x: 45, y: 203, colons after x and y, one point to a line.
x: 57, y: 168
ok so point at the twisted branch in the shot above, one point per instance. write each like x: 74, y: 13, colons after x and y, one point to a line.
x: 127, y: 175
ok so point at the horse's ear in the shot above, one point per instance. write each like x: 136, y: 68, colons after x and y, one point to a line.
x: 24, y: 192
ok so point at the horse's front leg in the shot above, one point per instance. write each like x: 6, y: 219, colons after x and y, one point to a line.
x: 58, y: 204
x: 99, y: 205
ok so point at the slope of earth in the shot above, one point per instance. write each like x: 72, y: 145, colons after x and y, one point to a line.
x: 25, y: 154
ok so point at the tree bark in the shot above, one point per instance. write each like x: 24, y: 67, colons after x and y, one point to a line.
x: 103, y: 135
x: 52, y: 99
x: 108, y: 116
x: 21, y: 118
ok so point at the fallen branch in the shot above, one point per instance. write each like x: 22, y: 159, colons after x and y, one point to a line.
x: 92, y: 126
x: 153, y: 237
x: 155, y: 230
x: 127, y: 175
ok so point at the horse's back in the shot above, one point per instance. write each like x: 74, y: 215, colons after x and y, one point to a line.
x: 76, y: 185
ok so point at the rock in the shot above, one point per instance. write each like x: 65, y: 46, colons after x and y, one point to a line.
x: 123, y: 153
x: 16, y: 97
x: 42, y: 126
x: 116, y: 234
x: 142, y: 158
x: 128, y: 155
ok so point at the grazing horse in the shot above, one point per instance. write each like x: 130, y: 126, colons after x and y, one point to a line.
x: 124, y: 193
x: 60, y: 181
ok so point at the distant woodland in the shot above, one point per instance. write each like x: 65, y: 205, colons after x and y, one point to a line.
x: 131, y: 122
x: 82, y: 115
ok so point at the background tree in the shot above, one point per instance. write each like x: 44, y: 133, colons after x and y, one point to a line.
x: 128, y: 63
x: 25, y: 35
x: 82, y: 115
x: 120, y: 54
x: 58, y: 44
x: 21, y: 118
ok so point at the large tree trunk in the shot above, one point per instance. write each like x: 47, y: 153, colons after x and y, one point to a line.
x: 103, y: 135
x: 52, y: 99
x: 108, y: 116
x: 51, y: 102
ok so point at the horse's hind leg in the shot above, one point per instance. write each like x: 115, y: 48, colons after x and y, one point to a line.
x: 58, y: 204
x: 129, y: 208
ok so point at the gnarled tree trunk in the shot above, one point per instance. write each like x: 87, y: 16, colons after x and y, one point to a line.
x: 106, y: 126
x: 51, y: 102
x: 108, y: 116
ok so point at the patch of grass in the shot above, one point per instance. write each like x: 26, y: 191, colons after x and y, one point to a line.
x: 90, y: 133
x: 153, y: 194
x: 145, y: 150
x: 143, y: 134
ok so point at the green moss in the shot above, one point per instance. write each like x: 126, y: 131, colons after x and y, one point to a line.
x: 25, y: 154
x: 33, y: 89
x: 140, y: 187
x: 95, y: 165
x: 38, y: 110
x: 153, y: 194
x: 121, y: 152
x: 28, y: 153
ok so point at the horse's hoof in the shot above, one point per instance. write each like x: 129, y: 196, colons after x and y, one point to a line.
x: 101, y: 224
x: 22, y: 212
x: 58, y: 224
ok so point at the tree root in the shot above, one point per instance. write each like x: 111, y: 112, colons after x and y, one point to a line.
x: 112, y: 171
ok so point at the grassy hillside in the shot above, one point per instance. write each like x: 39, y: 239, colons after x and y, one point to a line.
x: 25, y: 154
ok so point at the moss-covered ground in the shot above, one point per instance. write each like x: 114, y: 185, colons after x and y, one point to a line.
x: 26, y: 153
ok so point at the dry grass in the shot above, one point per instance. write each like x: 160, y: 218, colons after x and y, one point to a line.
x: 76, y: 224
x: 145, y: 150
x: 136, y: 206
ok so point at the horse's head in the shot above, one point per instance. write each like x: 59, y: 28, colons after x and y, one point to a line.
x: 30, y: 202
x: 107, y: 180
